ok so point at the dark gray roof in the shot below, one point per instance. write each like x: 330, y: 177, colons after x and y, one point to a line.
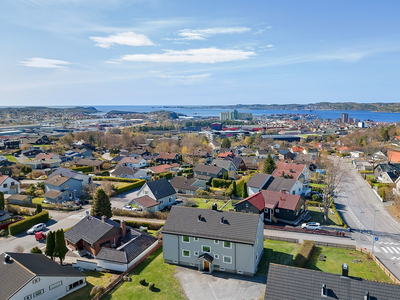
x: 124, y: 171
x: 25, y: 266
x: 207, y: 169
x: 64, y: 172
x: 237, y: 227
x: 90, y: 229
x: 182, y: 183
x: 221, y: 163
x: 292, y: 283
x: 4, y: 215
x: 135, y: 243
x: 277, y: 184
x: 161, y: 188
x: 258, y: 180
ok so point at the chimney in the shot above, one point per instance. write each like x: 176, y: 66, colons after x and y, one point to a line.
x: 199, y: 218
x: 7, y: 258
x: 283, y: 191
x: 345, y: 270
x: 123, y: 227
x: 214, y: 206
x: 324, y: 291
x: 104, y: 218
x: 222, y: 220
x: 366, y: 296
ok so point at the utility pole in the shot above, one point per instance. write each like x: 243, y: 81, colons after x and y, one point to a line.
x: 373, y: 236
x: 361, y: 224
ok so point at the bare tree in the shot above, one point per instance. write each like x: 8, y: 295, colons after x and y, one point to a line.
x: 19, y: 249
x: 336, y: 173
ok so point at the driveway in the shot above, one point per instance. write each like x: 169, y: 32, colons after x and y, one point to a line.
x: 123, y: 199
x: 219, y: 285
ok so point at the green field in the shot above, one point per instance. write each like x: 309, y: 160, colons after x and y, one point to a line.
x: 318, y: 216
x: 11, y: 158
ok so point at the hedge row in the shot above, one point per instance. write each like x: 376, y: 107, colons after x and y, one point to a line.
x: 151, y: 226
x: 165, y: 175
x: 24, y: 225
x: 304, y: 254
x: 188, y: 170
x: 83, y: 169
x: 129, y: 187
x: 220, y: 183
x: 342, y: 223
x: 313, y: 203
x: 108, y: 178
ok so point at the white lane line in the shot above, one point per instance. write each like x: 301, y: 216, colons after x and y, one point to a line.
x: 389, y: 250
x: 384, y: 250
x: 395, y: 250
x: 398, y: 248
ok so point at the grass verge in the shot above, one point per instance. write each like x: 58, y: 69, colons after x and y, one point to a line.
x: 207, y: 203
x: 318, y: 216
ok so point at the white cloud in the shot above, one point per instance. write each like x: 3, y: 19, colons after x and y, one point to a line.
x: 202, y: 55
x: 124, y: 38
x: 262, y: 30
x: 197, y: 76
x: 203, y: 34
x: 37, y: 62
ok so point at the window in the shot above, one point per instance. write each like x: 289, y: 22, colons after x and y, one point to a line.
x: 36, y: 280
x: 29, y: 297
x: 266, y: 210
x: 185, y: 253
x: 185, y: 239
x: 277, y: 210
x: 38, y: 293
x: 170, y: 199
x: 74, y: 285
x: 216, y: 242
x: 66, y: 186
x: 12, y: 183
x: 196, y: 253
x: 240, y: 272
x: 196, y: 239
x: 222, y: 269
x: 227, y: 259
x: 55, y: 285
x: 216, y: 256
x: 228, y: 245
x: 293, y: 192
x: 5, y: 185
x: 206, y: 249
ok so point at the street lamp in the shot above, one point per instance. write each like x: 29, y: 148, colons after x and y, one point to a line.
x: 361, y: 223
x: 373, y: 235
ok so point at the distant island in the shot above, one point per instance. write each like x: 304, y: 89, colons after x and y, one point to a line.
x: 341, y: 106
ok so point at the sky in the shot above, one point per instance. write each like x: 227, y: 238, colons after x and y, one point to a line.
x: 159, y: 52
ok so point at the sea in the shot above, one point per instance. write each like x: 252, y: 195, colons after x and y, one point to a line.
x: 214, y: 112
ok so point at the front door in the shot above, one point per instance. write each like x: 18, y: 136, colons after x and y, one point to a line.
x: 206, y: 266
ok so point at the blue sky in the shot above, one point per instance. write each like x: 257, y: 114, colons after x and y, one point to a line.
x: 146, y: 52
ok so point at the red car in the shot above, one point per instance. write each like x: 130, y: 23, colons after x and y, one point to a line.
x: 40, y: 236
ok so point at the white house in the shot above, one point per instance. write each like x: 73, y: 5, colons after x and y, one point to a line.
x: 156, y: 195
x: 257, y: 182
x: 133, y: 162
x: 9, y: 185
x: 127, y: 172
x: 34, y: 276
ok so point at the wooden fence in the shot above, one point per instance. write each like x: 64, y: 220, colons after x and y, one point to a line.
x: 278, y: 238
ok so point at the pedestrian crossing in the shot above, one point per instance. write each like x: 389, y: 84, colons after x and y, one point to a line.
x: 77, y: 216
x: 391, y: 250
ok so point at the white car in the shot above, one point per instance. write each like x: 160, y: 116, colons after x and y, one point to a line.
x: 36, y: 228
x: 128, y: 207
x: 311, y: 225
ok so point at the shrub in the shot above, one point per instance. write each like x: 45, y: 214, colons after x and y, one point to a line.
x: 188, y: 170
x: 220, y: 183
x: 108, y: 178
x: 301, y: 259
x: 151, y: 286
x: 316, y: 198
x: 36, y: 250
x: 165, y: 175
x: 98, y: 289
x: 3, y: 232
x: 313, y: 203
x: 23, y: 225
x: 202, y: 193
x: 129, y: 187
x: 142, y: 281
x: 83, y: 169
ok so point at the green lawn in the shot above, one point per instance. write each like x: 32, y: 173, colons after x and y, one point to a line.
x: 153, y: 269
x: 367, y: 268
x: 318, y: 216
x: 121, y: 184
x: 319, y: 185
x: 93, y: 279
x: 11, y: 158
x: 38, y: 200
x: 277, y: 252
x: 201, y: 203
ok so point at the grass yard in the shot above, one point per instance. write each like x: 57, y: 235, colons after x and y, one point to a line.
x: 367, y: 268
x: 38, y: 200
x: 318, y: 216
x: 121, y: 184
x: 318, y: 185
x: 201, y: 203
x: 11, y: 158
x: 153, y: 269
x: 93, y: 279
x: 277, y: 252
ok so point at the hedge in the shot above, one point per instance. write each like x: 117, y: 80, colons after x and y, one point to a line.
x: 342, y: 223
x: 313, y: 203
x: 108, y: 178
x: 129, y: 187
x: 134, y: 224
x: 218, y: 183
x: 83, y: 169
x: 165, y: 175
x: 188, y: 170
x: 301, y: 259
x: 27, y: 223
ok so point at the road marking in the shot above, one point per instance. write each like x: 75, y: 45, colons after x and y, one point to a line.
x: 395, y: 250
x: 389, y: 249
x: 79, y: 217
x: 384, y: 250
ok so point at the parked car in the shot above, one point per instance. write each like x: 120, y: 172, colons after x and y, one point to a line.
x: 40, y: 236
x: 78, y: 201
x: 36, y: 228
x: 311, y: 225
x: 43, y: 177
x: 128, y: 207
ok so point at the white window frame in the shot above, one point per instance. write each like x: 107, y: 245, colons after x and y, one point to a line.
x: 196, y: 253
x: 226, y: 256
x: 216, y: 242
x: 222, y: 269
x: 183, y: 255
x: 41, y: 292
x: 202, y: 248
x: 183, y: 236
x: 240, y: 272
x: 28, y: 297
x: 196, y: 239
x: 216, y: 256
x: 230, y: 245
x: 277, y: 210
x: 55, y: 285
x: 36, y: 280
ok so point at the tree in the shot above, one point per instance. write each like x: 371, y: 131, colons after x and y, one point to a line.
x: 226, y: 143
x: 244, y: 191
x: 335, y: 174
x: 36, y: 250
x: 101, y: 204
x: 50, y: 244
x: 234, y: 189
x: 248, y: 141
x: 38, y: 208
x: 225, y: 176
x: 1, y: 201
x: 269, y: 165
x: 90, y: 139
x: 60, y: 249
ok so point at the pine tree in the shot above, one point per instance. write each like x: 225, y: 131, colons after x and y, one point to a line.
x: 269, y: 165
x: 226, y: 143
x: 50, y: 244
x: 101, y: 205
x: 38, y: 208
x: 60, y: 249
x: 244, y: 191
x: 1, y: 201
x: 234, y: 189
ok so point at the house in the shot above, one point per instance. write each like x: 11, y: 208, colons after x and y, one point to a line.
x: 44, y: 164
x: 387, y: 172
x: 133, y: 162
x: 62, y: 188
x: 86, y: 179
x: 134, y: 246
x: 31, y: 276
x: 31, y: 152
x: 275, y: 146
x: 293, y: 170
x: 127, y: 172
x: 213, y: 240
x: 291, y: 283
x: 343, y: 150
x: 167, y: 158
x: 395, y: 141
x: 19, y: 199
x: 84, y: 162
x: 164, y: 168
x: 261, y: 153
x: 5, y: 171
x: 252, y: 162
x: 9, y: 185
x: 43, y: 140
x: 85, y: 152
x: 186, y: 186
x: 296, y: 150
x: 288, y: 185
x: 257, y: 182
x: 393, y: 155
x: 71, y: 154
x: 238, y: 162
x: 274, y: 206
x: 227, y: 164
x: 285, y: 155
x: 156, y: 195
x: 208, y: 172
x: 11, y: 144
x: 6, y: 163
x: 46, y: 156
x: 246, y: 152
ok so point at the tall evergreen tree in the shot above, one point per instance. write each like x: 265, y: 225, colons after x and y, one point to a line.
x: 50, y: 243
x: 226, y: 143
x: 101, y: 205
x: 1, y: 201
x: 60, y: 249
x: 38, y: 208
x: 234, y: 189
x: 244, y: 191
x: 269, y: 165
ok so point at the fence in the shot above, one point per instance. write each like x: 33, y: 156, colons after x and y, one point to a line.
x: 203, y: 196
x: 334, y: 245
x: 86, y: 265
x: 301, y: 230
x: 113, y: 284
x: 282, y: 239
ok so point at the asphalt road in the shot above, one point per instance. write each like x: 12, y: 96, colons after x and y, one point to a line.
x: 361, y: 209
